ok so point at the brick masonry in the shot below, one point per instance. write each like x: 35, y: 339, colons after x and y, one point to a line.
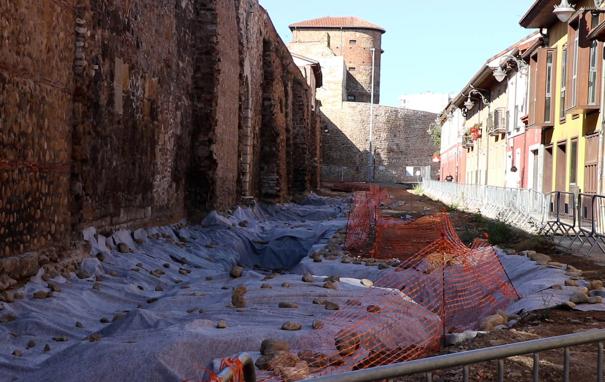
x: 131, y: 113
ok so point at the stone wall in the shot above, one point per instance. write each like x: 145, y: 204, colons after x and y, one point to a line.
x: 354, y: 45
x: 400, y: 140
x: 129, y: 113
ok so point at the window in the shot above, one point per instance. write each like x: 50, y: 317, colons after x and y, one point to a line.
x: 351, y: 97
x: 548, y: 99
x: 563, y: 83
x: 592, y: 74
x: 352, y: 42
x: 352, y: 69
x: 574, y: 71
x: 574, y: 162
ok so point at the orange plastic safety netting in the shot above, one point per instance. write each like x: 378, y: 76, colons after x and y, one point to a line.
x: 440, y: 286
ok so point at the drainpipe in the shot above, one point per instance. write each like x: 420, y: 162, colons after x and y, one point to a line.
x: 371, y: 153
x: 489, y: 111
x: 600, y: 164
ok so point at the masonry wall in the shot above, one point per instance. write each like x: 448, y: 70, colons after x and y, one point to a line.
x: 124, y: 114
x: 354, y: 45
x: 400, y: 140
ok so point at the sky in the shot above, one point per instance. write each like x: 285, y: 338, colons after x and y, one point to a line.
x: 430, y: 45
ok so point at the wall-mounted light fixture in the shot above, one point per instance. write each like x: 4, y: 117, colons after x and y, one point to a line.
x: 564, y: 11
x: 469, y: 104
x: 500, y: 72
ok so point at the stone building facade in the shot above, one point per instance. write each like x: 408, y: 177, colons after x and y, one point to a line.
x: 122, y: 114
x: 401, y: 139
x: 352, y: 39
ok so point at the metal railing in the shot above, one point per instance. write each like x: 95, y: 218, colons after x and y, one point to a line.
x: 525, y: 209
x: 464, y: 359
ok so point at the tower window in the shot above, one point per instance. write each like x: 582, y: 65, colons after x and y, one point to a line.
x: 351, y: 97
x: 352, y: 42
x: 351, y: 69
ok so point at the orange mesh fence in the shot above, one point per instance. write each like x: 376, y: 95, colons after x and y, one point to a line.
x: 440, y: 286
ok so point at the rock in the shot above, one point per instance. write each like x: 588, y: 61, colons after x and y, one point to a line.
x: 315, y: 360
x: 490, y: 323
x: 330, y: 285
x: 30, y: 344
x: 124, y: 248
x: 140, y: 235
x: 346, y: 260
x: 595, y: 300
x: 54, y: 287
x: 539, y: 258
x: 331, y: 305
x: 294, y: 373
x: 95, y: 337
x: 557, y: 287
x: 319, y: 301
x: 60, y: 339
x: 266, y: 286
x: 79, y: 325
x: 272, y: 347
x: 285, y: 285
x: 287, y: 305
x: 596, y: 285
x: 184, y: 271
x: 308, y: 278
x: 41, y: 294
x: 598, y: 292
x: 354, y: 302
x: 46, y: 348
x: 579, y: 298
x: 458, y: 338
x: 222, y: 324
x: 317, y: 324
x: 347, y: 342
x: 104, y: 320
x: 556, y: 265
x: 17, y: 353
x: 373, y: 309
x: 291, y: 326
x: 383, y: 266
x: 568, y: 305
x: 6, y: 282
x: 90, y: 267
x: 159, y: 288
x: 118, y: 316
x: 367, y: 283
x: 571, y: 282
x: 236, y: 271
x: 238, y: 297
x: 7, y: 318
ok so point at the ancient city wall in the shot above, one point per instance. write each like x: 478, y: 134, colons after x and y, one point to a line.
x: 400, y: 140
x: 116, y: 113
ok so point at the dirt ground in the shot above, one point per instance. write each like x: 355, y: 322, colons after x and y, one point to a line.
x: 532, y: 326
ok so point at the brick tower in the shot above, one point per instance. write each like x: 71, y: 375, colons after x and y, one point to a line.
x: 353, y: 39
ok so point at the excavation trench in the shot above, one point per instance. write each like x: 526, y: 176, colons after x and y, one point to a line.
x: 164, y: 303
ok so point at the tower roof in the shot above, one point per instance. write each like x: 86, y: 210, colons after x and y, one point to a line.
x: 329, y: 22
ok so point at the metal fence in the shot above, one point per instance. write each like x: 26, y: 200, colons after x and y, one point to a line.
x: 427, y: 366
x: 573, y: 219
x: 525, y: 209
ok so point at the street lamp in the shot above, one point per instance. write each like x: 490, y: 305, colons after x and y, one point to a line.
x: 499, y: 74
x: 469, y: 104
x: 564, y: 11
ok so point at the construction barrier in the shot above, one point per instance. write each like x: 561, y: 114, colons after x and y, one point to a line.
x: 439, y: 286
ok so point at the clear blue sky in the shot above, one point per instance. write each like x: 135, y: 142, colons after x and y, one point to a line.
x: 430, y: 45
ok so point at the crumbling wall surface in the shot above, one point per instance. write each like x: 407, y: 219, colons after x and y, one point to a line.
x: 133, y: 113
x: 36, y: 80
x: 400, y: 139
